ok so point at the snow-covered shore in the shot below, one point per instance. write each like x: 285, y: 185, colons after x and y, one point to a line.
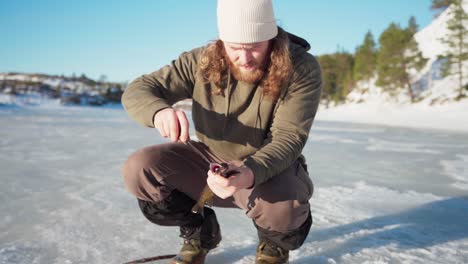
x: 453, y: 116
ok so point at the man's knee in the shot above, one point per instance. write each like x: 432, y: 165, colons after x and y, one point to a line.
x: 283, y: 216
x: 133, y: 170
x: 141, y: 159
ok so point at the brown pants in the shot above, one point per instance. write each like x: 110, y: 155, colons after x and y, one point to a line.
x: 279, y: 205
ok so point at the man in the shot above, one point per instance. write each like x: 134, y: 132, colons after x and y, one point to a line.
x: 255, y: 92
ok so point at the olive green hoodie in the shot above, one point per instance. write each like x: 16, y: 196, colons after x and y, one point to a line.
x: 239, y: 124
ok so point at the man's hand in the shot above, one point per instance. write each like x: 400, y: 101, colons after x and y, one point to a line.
x: 172, y: 124
x: 226, y: 187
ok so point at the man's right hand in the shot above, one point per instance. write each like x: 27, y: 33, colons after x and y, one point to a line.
x: 172, y: 124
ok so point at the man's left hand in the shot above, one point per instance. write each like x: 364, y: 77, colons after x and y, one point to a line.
x: 226, y: 187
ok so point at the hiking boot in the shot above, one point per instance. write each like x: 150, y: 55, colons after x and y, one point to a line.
x: 191, y: 253
x: 268, y: 253
x: 198, y: 241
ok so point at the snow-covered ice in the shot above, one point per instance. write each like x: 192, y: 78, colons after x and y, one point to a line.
x: 382, y: 194
x: 458, y: 170
x: 451, y: 116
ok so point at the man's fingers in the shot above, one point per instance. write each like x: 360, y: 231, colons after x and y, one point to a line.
x: 174, y: 127
x: 184, y: 126
x: 218, y: 190
x: 166, y: 128
x: 172, y: 124
x: 219, y: 180
x: 160, y: 127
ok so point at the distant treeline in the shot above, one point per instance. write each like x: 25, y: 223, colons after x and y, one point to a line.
x: 395, y: 56
x: 71, y: 90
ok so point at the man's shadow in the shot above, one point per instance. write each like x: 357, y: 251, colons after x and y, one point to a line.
x: 424, y: 226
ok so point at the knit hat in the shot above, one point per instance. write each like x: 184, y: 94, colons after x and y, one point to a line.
x: 246, y: 21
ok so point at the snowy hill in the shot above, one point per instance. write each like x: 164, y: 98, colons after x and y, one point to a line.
x: 428, y: 82
x: 429, y: 37
x: 368, y: 103
x: 437, y: 89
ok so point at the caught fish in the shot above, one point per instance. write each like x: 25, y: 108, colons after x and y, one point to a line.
x: 207, y: 195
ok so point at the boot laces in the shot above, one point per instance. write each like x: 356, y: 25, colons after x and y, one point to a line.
x: 270, y: 249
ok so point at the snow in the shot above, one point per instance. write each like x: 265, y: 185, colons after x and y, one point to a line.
x: 429, y: 37
x: 451, y: 116
x: 53, y: 81
x: 431, y: 46
x: 27, y: 100
x: 382, y: 194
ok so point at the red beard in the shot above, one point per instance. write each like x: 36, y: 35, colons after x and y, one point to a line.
x: 246, y: 76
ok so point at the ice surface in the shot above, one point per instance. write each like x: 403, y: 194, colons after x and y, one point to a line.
x: 382, y: 145
x: 382, y: 194
x: 458, y: 170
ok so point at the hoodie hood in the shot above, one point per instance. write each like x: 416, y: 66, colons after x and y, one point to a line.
x: 298, y: 41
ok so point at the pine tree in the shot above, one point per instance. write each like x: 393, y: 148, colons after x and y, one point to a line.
x: 389, y: 58
x: 413, y: 58
x: 329, y: 73
x: 412, y: 26
x: 398, y: 54
x: 457, y: 42
x: 337, y: 75
x: 345, y: 62
x: 365, y: 59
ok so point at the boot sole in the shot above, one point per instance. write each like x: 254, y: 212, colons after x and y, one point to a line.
x: 200, y: 260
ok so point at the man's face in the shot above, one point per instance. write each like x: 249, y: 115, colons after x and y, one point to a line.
x: 247, y: 61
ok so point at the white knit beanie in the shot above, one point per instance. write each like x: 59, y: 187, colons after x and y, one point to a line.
x: 246, y: 21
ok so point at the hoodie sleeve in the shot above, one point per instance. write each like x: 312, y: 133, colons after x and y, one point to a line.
x: 150, y: 93
x: 291, y: 122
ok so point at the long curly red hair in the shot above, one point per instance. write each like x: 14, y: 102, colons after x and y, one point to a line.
x: 214, y: 67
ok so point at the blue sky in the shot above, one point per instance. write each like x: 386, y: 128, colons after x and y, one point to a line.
x: 124, y: 39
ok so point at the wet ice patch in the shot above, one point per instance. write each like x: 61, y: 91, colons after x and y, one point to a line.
x: 457, y: 169
x: 331, y: 139
x: 395, y: 146
x: 27, y: 252
x: 349, y: 130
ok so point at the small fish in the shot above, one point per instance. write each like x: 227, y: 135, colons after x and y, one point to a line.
x: 207, y: 195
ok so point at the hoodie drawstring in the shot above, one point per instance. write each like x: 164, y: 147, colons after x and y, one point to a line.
x: 258, y: 118
x: 228, y: 101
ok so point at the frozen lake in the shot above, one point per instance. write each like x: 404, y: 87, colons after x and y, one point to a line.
x: 382, y: 194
